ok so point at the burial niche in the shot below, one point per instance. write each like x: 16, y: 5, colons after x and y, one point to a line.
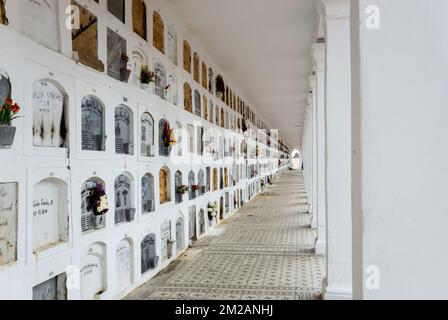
x: 217, y: 115
x: 208, y: 179
x: 39, y: 20
x: 86, y: 211
x: 164, y: 137
x: 50, y: 214
x: 173, y: 94
x: 192, y: 225
x: 3, y: 18
x: 180, y: 234
x: 211, y: 79
x: 117, y: 59
x: 215, y: 179
x: 94, y: 272
x: 124, y: 264
x: 211, y: 113
x: 124, y: 200
x: 52, y: 289
x: 92, y: 124
x: 148, y: 199
x: 50, y: 115
x: 117, y: 9
x: 201, y: 222
x: 197, y: 103
x: 204, y: 107
x: 124, y: 140
x: 188, y: 100
x: 221, y: 179
x: 204, y: 75
x: 220, y: 87
x: 138, y: 59
x: 191, y: 191
x: 147, y: 135
x: 149, y: 257
x: 160, y: 80
x: 165, y: 232
x: 187, y: 56
x: 201, y: 182
x: 8, y: 223
x: 158, y: 35
x: 85, y: 39
x: 177, y: 185
x: 164, y: 185
x: 226, y: 177
x: 172, y: 45
x: 196, y: 67
x: 139, y: 18
x: 5, y: 87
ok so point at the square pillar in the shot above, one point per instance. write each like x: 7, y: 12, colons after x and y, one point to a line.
x: 338, y: 150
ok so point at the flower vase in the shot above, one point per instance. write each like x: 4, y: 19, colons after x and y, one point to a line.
x: 99, y: 221
x: 7, y: 134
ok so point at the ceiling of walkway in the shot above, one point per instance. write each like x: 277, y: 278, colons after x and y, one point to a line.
x: 265, y: 48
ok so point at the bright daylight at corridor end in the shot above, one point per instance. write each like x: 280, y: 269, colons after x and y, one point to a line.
x: 246, y: 151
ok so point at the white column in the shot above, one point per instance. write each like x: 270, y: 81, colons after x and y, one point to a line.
x: 313, y: 102
x: 319, y: 65
x: 338, y: 145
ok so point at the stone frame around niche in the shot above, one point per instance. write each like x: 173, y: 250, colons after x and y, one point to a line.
x: 35, y: 176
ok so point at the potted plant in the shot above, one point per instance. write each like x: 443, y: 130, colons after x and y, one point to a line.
x: 8, y: 112
x: 147, y: 78
x: 98, y: 204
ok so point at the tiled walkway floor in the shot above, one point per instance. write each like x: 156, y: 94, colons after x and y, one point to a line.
x: 265, y: 251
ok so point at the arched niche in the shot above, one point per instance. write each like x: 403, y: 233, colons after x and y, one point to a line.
x: 221, y: 178
x: 191, y: 182
x: 124, y: 130
x: 211, y: 81
x: 222, y: 118
x: 226, y: 177
x: 190, y: 136
x: 94, y: 271
x: 139, y: 23
x: 124, y: 257
x: 227, y: 202
x: 179, y: 138
x: 50, y: 214
x: 164, y: 148
x: 180, y: 233
x: 147, y: 135
x: 192, y: 231
x: 208, y: 179
x: 166, y: 243
x: 197, y: 103
x: 39, y: 20
x: 172, y: 45
x: 3, y: 18
x: 204, y: 107
x: 50, y: 114
x: 124, y: 198
x: 204, y: 75
x: 211, y: 112
x: 86, y: 212
x: 196, y: 67
x: 173, y: 92
x: 5, y: 87
x: 149, y: 258
x: 217, y: 115
x: 177, y: 184
x: 201, y: 182
x: 220, y: 88
x: 215, y: 179
x: 187, y: 56
x: 201, y: 222
x: 164, y: 185
x: 116, y: 56
x: 188, y: 99
x: 148, y: 195
x: 137, y: 60
x: 160, y: 80
x: 92, y: 124
x: 221, y: 208
x: 158, y: 35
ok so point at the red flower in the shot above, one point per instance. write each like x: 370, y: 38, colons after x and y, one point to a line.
x: 8, y: 101
x: 15, y: 108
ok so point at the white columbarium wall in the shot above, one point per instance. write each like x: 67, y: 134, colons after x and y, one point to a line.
x: 26, y: 61
x: 400, y: 94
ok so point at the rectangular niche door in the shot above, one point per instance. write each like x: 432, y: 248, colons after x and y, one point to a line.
x: 116, y: 56
x: 163, y: 186
x: 8, y: 223
x: 53, y: 289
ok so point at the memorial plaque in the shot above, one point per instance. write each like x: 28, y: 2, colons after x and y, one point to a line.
x: 211, y: 80
x: 39, y: 20
x: 201, y: 182
x: 50, y: 125
x: 196, y: 67
x: 173, y: 94
x: 148, y: 201
x: 139, y: 18
x: 117, y: 9
x: 149, y: 256
x: 158, y: 32
x: 123, y: 130
x: 172, y: 45
x: 191, y: 192
x: 208, y: 178
x: 164, y: 185
x: 188, y: 99
x: 187, y: 56
x: 52, y: 289
x: 123, y: 197
x: 164, y: 150
x: 197, y: 103
x: 5, y: 88
x: 178, y: 183
x: 160, y: 80
x: 147, y: 135
x: 138, y: 58
x: 165, y: 231
x: 93, y: 272
x: 124, y: 265
x: 86, y: 215
x: 92, y: 124
x: 8, y: 223
x: 116, y: 56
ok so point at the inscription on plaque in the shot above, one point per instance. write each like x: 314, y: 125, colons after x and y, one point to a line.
x: 8, y: 223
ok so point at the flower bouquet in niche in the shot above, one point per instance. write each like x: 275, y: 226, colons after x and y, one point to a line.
x: 147, y: 78
x: 212, y: 210
x: 182, y: 189
x: 97, y: 202
x: 8, y: 113
x: 195, y: 187
x: 169, y: 137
